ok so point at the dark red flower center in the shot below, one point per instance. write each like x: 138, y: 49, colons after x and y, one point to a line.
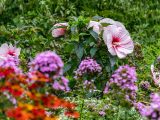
x: 12, y: 53
x: 115, y: 39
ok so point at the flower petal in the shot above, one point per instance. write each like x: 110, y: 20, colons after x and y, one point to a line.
x: 112, y: 22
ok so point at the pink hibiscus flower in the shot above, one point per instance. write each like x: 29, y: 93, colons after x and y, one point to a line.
x: 57, y: 32
x: 118, y: 41
x: 97, y: 27
x: 8, y: 51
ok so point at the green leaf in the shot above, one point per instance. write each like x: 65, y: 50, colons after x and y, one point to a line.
x: 94, y: 34
x: 73, y: 29
x: 112, y: 60
x: 66, y: 67
x: 83, y: 34
x: 97, y: 18
x: 93, y: 51
x: 79, y: 51
x: 68, y: 48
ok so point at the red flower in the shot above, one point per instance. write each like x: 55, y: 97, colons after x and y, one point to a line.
x: 73, y: 114
x: 38, y: 113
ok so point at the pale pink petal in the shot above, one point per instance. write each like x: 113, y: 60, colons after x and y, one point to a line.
x: 112, y: 51
x: 17, y: 51
x: 57, y: 32
x: 112, y: 22
x: 3, y: 49
x: 108, y: 41
x: 96, y: 26
x: 9, y: 50
x: 120, y: 54
x: 124, y: 50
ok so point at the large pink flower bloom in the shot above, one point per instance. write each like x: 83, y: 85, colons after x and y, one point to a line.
x: 8, y: 51
x: 118, y: 41
x: 57, y: 32
x: 97, y: 27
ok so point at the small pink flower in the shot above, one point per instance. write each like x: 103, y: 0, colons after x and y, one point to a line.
x: 57, y: 32
x: 97, y: 27
x: 155, y: 75
x: 112, y: 22
x: 118, y: 41
x: 8, y: 51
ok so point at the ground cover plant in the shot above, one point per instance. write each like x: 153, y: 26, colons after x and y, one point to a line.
x: 77, y: 59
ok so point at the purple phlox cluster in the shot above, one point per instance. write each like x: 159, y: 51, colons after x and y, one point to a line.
x: 11, y: 62
x: 89, y: 85
x: 151, y: 111
x: 61, y: 85
x: 145, y: 85
x: 88, y: 66
x: 139, y: 106
x: 49, y: 63
x: 124, y: 77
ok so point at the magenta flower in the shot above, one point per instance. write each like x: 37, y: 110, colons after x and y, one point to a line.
x: 60, y: 30
x: 124, y: 77
x: 48, y: 63
x: 88, y: 66
x: 118, y: 41
x: 8, y: 51
x: 61, y: 85
x: 97, y: 27
x: 151, y: 111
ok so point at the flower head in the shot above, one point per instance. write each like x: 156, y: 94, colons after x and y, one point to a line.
x: 61, y: 85
x: 145, y: 85
x: 125, y: 78
x: 60, y: 30
x: 48, y: 63
x: 118, y: 41
x: 8, y: 51
x: 11, y: 62
x: 88, y: 66
x: 151, y: 111
x: 97, y: 27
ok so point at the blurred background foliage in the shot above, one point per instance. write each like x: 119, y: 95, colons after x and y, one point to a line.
x: 28, y: 23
